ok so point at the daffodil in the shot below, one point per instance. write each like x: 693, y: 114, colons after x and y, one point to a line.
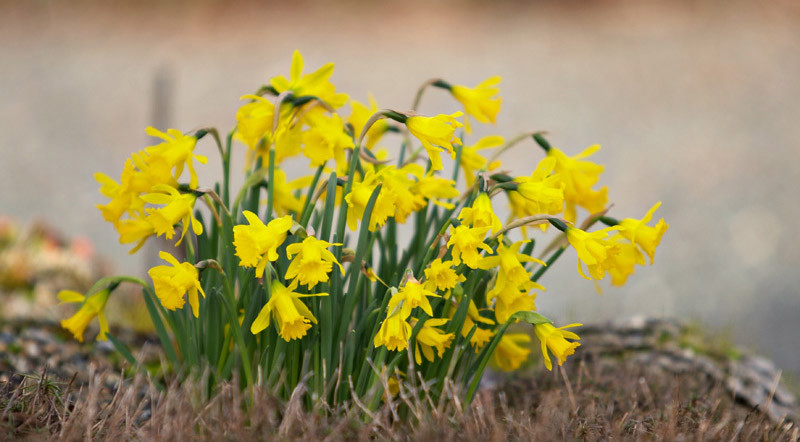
x: 313, y: 262
x: 315, y: 84
x: 136, y: 230
x: 511, y: 351
x: 293, y: 318
x: 512, y: 273
x: 437, y: 135
x: 177, y: 207
x: 625, y: 261
x: 401, y: 182
x: 172, y: 282
x: 555, y: 340
x: 412, y: 295
x: 440, y: 275
x: 435, y: 188
x: 516, y: 301
x: 472, y: 161
x: 254, y: 120
x: 578, y: 176
x: 359, y: 117
x: 481, y: 214
x: 540, y: 193
x: 595, y: 250
x: 430, y: 337
x: 178, y: 150
x: 358, y: 198
x: 257, y: 244
x: 284, y: 199
x: 479, y: 102
x: 467, y: 242
x: 644, y: 236
x: 481, y: 335
x: 327, y: 140
x: 91, y: 307
x: 394, y: 333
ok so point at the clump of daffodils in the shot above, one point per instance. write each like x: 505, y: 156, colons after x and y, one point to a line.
x: 375, y: 261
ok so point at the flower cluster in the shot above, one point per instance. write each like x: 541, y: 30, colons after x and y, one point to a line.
x: 305, y: 280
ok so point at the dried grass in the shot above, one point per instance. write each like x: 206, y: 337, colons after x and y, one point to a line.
x: 604, y: 401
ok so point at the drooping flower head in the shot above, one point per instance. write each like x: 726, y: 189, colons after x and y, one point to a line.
x: 257, y: 244
x: 644, y: 236
x: 359, y: 117
x: 172, y: 282
x: 327, y: 140
x: 467, y: 242
x: 437, y: 135
x: 313, y: 262
x: 292, y: 316
x: 394, y: 333
x: 178, y: 151
x: 177, y: 207
x: 579, y: 176
x: 430, y: 337
x: 540, y: 193
x: 481, y: 214
x: 555, y: 339
x: 358, y: 198
x: 472, y: 161
x: 480, y: 102
x: 511, y: 351
x: 91, y: 307
x: 412, y: 295
x: 595, y: 250
x: 440, y: 275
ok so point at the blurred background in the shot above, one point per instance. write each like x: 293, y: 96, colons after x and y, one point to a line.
x: 696, y: 104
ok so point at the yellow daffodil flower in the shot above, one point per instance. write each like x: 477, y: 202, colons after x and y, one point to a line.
x: 479, y: 102
x: 440, y: 275
x: 481, y: 214
x: 178, y: 207
x: 292, y: 316
x: 172, y: 282
x: 467, y: 243
x: 254, y: 120
x: 316, y: 83
x: 644, y: 236
x: 578, y: 177
x: 361, y: 114
x: 412, y: 295
x: 595, y: 250
x: 358, y: 198
x: 437, y: 134
x: 400, y: 183
x: 313, y: 261
x: 511, y: 351
x: 434, y: 188
x: 136, y: 230
x: 512, y: 275
x: 284, y: 199
x: 327, y: 140
x: 394, y: 333
x: 555, y: 339
x: 472, y: 162
x: 481, y: 335
x: 257, y: 244
x: 430, y: 337
x: 91, y: 307
x: 511, y: 301
x: 178, y: 150
x: 625, y: 262
x: 540, y: 193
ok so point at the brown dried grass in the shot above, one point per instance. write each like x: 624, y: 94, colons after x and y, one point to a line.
x: 604, y: 401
